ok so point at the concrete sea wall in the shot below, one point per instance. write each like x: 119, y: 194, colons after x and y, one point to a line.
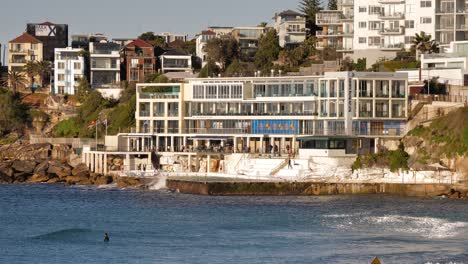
x: 309, y: 188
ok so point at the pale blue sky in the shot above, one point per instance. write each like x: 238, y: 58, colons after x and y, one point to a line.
x: 128, y: 18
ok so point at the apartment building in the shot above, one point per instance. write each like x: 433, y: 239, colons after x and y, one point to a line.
x: 170, y: 37
x: 451, y: 19
x: 139, y: 60
x: 51, y: 35
x: 69, y: 68
x: 22, y: 50
x: 338, y: 111
x: 291, y: 28
x: 201, y: 40
x: 337, y: 27
x: 248, y: 38
x: 175, y: 61
x: 82, y: 41
x: 104, y: 65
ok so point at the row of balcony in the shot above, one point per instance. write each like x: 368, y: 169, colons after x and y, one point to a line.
x: 24, y: 51
x: 452, y: 27
x: 335, y: 19
x: 159, y: 114
x: 451, y: 10
x: 333, y: 33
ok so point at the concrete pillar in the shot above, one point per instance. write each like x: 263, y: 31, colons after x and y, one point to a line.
x: 172, y: 144
x: 128, y: 144
x: 235, y: 145
x: 127, y: 162
x: 208, y: 143
x: 157, y: 143
x: 208, y: 163
x: 105, y: 164
x: 165, y: 144
x: 261, y: 145
x: 282, y: 145
x: 247, y: 145
x: 185, y: 142
x: 189, y: 163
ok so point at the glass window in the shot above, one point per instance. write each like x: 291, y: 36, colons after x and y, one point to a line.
x: 77, y: 66
x: 365, y: 88
x: 61, y: 77
x: 382, y: 88
x: 426, y: 4
x: 198, y: 92
x: 236, y: 91
x: 61, y: 65
x: 211, y: 92
x: 398, y: 89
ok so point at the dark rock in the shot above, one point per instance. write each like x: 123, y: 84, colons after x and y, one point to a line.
x: 81, y: 170
x: 55, y: 180
x: 41, y: 168
x: 102, y: 180
x: 21, y: 177
x: 24, y: 166
x: 59, y: 168
x: 19, y: 151
x: 5, y: 169
x: 78, y: 180
x: 38, y: 178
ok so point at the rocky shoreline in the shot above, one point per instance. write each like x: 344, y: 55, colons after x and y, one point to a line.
x: 47, y: 163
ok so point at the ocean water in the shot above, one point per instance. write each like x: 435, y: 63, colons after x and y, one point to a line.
x: 57, y: 224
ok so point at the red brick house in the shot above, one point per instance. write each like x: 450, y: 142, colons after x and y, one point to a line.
x: 139, y: 60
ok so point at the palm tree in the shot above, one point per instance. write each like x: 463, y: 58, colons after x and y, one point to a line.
x: 423, y: 44
x: 44, y: 69
x: 263, y: 24
x: 31, y: 69
x: 13, y: 80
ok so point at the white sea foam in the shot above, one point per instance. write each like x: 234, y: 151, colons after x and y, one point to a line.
x: 428, y: 227
x: 107, y: 186
x: 158, y: 183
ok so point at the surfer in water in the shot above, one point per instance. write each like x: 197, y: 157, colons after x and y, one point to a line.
x: 106, y: 237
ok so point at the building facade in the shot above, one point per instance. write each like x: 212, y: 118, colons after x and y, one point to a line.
x: 51, y: 35
x: 69, y: 68
x: 175, y: 61
x: 451, y: 19
x: 139, y: 60
x: 104, y: 65
x: 337, y: 27
x: 170, y: 37
x: 343, y: 111
x: 201, y: 41
x: 248, y: 38
x: 291, y: 28
x: 22, y: 50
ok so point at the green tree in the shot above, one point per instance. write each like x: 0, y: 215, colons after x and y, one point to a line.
x: 263, y: 24
x: 209, y: 70
x: 14, y: 80
x: 156, y: 41
x: 241, y: 69
x: 156, y: 78
x: 423, y: 44
x: 222, y: 50
x: 14, y: 114
x: 44, y: 69
x: 332, y: 5
x: 83, y: 89
x: 268, y: 50
x: 31, y: 70
x: 310, y: 8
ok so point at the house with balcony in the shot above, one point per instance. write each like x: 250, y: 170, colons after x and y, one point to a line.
x: 201, y: 40
x: 139, y: 60
x: 104, y: 65
x: 248, y: 38
x: 451, y: 20
x: 337, y: 27
x: 69, y: 68
x: 384, y: 27
x: 22, y: 50
x: 171, y: 37
x: 175, y: 61
x: 291, y: 28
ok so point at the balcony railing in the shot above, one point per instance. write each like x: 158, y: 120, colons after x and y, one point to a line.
x: 391, y: 16
x: 158, y: 96
x: 392, y: 31
x: 391, y: 1
x: 346, y: 2
x: 396, y: 46
x: 17, y: 61
x: 445, y: 10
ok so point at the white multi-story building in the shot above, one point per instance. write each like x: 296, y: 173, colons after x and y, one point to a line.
x: 291, y: 28
x: 69, y: 68
x: 337, y: 27
x: 170, y: 37
x: 451, y: 18
x: 201, y: 41
x: 104, y: 65
x: 383, y: 27
x: 175, y: 61
x: 339, y: 114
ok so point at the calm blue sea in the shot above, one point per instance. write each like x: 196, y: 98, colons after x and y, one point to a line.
x: 56, y: 224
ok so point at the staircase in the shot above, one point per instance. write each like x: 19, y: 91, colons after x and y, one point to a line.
x: 279, y: 167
